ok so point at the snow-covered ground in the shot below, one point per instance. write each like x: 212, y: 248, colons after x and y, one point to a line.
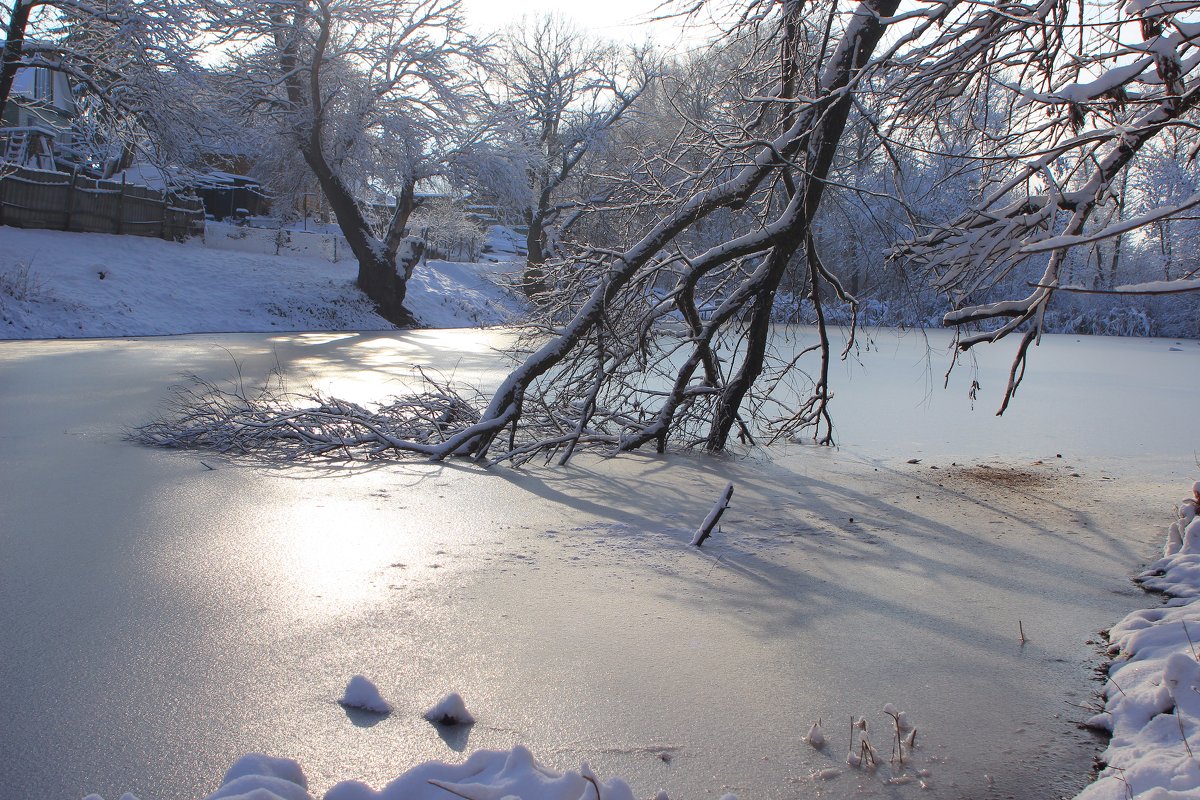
x: 77, y: 285
x: 166, y: 613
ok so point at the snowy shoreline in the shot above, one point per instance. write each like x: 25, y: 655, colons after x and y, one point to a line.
x: 1152, y: 695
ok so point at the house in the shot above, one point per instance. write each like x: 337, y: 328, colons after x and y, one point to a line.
x: 40, y: 111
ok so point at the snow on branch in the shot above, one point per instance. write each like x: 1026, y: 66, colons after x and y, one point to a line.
x: 1116, y: 229
x: 1149, y: 288
x: 273, y: 424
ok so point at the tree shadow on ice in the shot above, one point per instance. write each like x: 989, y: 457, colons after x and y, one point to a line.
x: 797, y: 546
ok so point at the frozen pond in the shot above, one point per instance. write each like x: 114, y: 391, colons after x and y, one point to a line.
x: 162, y: 613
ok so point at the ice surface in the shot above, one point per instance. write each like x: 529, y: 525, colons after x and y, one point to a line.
x: 200, y: 591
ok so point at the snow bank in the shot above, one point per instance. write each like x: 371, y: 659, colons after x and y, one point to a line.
x: 1152, y: 697
x: 79, y: 285
x: 486, y: 774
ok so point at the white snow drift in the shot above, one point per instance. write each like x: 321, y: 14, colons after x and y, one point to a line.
x: 1152, y: 696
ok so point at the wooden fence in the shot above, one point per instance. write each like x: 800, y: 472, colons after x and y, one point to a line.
x: 38, y: 199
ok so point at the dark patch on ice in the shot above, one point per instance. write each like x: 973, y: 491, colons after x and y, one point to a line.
x: 1003, y: 476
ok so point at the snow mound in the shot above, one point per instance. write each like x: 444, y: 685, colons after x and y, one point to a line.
x: 486, y: 775
x: 450, y: 710
x: 361, y: 693
x: 1152, y: 697
x: 260, y: 777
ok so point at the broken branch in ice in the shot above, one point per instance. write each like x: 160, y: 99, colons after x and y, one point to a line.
x: 714, y: 516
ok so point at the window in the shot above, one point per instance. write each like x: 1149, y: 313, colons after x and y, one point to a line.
x: 42, y: 80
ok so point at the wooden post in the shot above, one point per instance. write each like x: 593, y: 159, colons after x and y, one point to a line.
x: 162, y: 228
x: 121, y: 207
x: 67, y: 218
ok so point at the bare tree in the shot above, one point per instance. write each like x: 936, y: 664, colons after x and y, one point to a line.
x: 562, y: 93
x: 1085, y: 89
x: 362, y: 90
x: 609, y: 379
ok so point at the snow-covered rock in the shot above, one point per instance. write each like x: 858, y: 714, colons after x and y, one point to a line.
x: 450, y: 710
x: 361, y: 693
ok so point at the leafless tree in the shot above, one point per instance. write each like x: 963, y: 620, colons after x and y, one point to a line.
x: 562, y: 93
x: 1084, y: 88
x: 363, y: 90
x: 608, y: 375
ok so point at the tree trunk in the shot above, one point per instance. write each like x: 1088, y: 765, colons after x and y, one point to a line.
x: 11, y: 60
x: 377, y: 273
x: 534, y: 279
x: 759, y: 331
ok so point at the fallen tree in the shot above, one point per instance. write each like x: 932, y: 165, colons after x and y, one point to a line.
x: 667, y: 339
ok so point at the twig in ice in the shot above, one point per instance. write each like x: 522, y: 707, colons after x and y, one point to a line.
x: 587, y: 776
x: 1021, y: 628
x: 1191, y: 644
x: 714, y: 516
x: 451, y: 789
x: 1183, y: 733
x: 898, y: 747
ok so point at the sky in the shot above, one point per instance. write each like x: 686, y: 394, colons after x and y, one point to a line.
x: 623, y: 20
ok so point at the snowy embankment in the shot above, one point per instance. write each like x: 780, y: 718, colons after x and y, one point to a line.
x: 79, y: 285
x: 1152, y: 696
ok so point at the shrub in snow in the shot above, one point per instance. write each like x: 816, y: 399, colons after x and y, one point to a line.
x: 361, y: 693
x: 450, y: 710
